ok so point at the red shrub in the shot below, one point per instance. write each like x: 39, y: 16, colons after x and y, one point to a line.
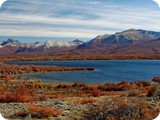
x: 123, y: 83
x: 7, y: 97
x: 42, y: 98
x: 90, y: 87
x: 25, y: 99
x: 19, y: 93
x: 102, y: 88
x: 96, y: 93
x: 43, y: 112
x: 22, y: 89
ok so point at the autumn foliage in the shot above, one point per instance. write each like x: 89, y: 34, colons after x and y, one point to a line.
x: 43, y: 112
x: 18, y: 93
x: 151, y: 91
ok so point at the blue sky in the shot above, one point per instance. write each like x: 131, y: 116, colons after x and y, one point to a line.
x: 41, y: 20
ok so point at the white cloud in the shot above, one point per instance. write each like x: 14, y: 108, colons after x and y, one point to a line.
x: 81, y: 20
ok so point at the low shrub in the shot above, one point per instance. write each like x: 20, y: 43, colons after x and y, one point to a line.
x: 143, y: 83
x: 43, y: 112
x: 96, y: 93
x: 78, y: 84
x: 25, y: 99
x: 64, y: 85
x: 7, y: 97
x: 151, y: 91
x: 18, y: 93
x: 118, y: 109
x: 156, y: 79
x: 133, y: 93
x: 2, y: 89
x: 41, y: 98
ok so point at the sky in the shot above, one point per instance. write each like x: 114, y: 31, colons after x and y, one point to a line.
x: 41, y: 20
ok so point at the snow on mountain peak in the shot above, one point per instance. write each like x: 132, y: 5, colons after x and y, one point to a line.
x: 50, y: 43
x: 37, y: 46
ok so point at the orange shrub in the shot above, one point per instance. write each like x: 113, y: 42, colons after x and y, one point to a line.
x: 123, y: 83
x: 18, y: 93
x: 43, y: 112
x: 2, y: 89
x: 22, y: 89
x: 7, y: 97
x: 90, y: 87
x: 25, y: 99
x: 96, y: 93
x: 42, y: 98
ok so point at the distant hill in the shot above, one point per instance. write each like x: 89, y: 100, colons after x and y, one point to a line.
x: 127, y: 42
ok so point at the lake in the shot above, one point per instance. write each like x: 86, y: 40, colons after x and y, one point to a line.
x: 106, y: 71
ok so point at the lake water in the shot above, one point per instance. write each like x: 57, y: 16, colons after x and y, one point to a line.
x: 106, y: 71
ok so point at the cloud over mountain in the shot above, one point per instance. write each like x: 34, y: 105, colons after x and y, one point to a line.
x: 76, y: 18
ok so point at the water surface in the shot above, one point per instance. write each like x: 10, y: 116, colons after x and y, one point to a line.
x: 106, y: 71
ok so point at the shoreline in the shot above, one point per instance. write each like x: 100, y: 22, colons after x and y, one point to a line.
x: 67, y: 99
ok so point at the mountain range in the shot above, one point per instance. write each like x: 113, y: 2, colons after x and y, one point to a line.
x: 130, y: 41
x: 12, y: 46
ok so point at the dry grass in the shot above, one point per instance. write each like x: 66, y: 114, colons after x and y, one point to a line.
x: 85, y: 101
x: 119, y: 109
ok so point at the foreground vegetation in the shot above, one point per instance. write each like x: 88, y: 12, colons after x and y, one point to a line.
x: 32, y: 99
x: 137, y: 100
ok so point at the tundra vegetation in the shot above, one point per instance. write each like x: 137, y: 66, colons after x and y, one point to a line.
x: 138, y: 100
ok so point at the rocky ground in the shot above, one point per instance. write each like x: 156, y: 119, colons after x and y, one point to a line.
x: 71, y: 110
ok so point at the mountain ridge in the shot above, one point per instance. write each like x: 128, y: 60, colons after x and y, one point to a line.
x: 126, y: 42
x: 46, y: 46
x: 124, y: 38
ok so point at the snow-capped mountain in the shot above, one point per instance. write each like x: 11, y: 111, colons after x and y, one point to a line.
x: 130, y: 41
x: 50, y: 43
x: 14, y: 43
x: 15, y: 46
